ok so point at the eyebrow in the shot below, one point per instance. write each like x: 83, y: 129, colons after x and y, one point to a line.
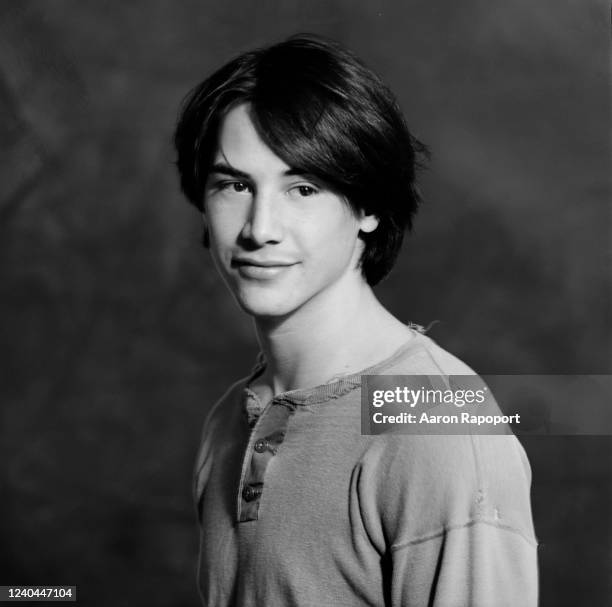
x: 225, y: 169
x: 220, y: 168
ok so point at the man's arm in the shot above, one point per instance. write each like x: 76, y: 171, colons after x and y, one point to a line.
x: 452, y: 515
x: 479, y: 564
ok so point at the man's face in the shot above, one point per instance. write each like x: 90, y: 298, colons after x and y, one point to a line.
x: 279, y: 239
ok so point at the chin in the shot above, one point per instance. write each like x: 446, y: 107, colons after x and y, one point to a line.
x: 263, y: 307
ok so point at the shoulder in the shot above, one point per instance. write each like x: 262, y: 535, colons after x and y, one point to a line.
x: 225, y: 407
x: 417, y: 485
x: 412, y: 487
x: 425, y: 357
x: 224, y: 414
x: 229, y: 407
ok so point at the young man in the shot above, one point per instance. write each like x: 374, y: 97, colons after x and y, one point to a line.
x: 302, y: 166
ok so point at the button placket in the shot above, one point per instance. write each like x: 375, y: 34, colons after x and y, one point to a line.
x: 267, y: 434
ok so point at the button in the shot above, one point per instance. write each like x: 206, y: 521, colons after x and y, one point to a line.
x: 261, y: 445
x: 250, y: 493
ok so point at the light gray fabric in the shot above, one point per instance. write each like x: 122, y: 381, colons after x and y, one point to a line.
x: 337, y: 518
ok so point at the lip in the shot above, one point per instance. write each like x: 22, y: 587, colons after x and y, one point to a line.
x: 260, y: 263
x: 260, y: 269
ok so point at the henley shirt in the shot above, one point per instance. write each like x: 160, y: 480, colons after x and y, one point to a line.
x: 297, y: 508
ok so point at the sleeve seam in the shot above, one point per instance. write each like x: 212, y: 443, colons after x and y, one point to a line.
x: 449, y: 528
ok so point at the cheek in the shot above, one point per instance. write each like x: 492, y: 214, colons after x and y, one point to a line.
x: 334, y: 242
x: 224, y: 225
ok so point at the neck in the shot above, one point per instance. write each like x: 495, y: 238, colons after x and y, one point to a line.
x: 336, y: 333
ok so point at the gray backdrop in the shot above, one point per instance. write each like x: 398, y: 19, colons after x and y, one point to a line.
x: 117, y: 335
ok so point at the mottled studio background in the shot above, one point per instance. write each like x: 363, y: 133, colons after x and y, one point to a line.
x: 117, y: 335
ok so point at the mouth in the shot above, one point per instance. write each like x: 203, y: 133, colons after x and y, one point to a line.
x: 261, y: 263
x: 260, y: 269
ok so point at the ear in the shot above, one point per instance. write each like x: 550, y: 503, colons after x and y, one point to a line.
x: 368, y: 223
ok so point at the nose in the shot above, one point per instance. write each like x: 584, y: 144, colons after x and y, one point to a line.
x: 263, y: 224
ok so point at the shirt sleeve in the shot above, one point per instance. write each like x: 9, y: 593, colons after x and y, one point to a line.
x: 452, y: 517
x: 480, y: 564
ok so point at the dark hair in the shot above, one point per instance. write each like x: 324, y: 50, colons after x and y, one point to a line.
x: 320, y: 110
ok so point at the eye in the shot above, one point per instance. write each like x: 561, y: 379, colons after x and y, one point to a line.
x: 235, y: 186
x: 229, y: 187
x: 305, y: 190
